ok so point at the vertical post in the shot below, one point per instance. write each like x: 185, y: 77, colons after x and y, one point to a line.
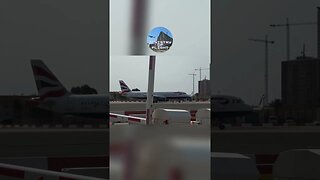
x: 193, y: 83
x: 149, y: 108
x: 200, y: 73
x: 138, y: 27
x: 318, y: 32
x: 193, y: 75
x: 265, y: 102
x: 288, y: 40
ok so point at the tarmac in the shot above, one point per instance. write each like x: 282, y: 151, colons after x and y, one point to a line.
x: 28, y: 142
x: 116, y: 106
x: 265, y: 140
x: 53, y: 142
x: 57, y: 148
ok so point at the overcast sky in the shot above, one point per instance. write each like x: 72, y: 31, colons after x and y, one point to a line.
x: 238, y: 64
x: 189, y: 23
x: 69, y: 35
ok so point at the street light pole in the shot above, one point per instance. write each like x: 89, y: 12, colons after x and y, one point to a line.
x: 200, y: 69
x: 149, y: 109
x: 287, y: 25
x: 193, y: 75
x: 266, y: 83
x: 288, y: 39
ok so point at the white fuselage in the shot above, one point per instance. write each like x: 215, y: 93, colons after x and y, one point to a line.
x: 225, y: 103
x: 159, y: 95
x: 76, y: 104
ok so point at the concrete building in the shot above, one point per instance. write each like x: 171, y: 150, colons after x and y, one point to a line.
x: 301, y: 85
x: 204, y: 89
x: 301, y: 88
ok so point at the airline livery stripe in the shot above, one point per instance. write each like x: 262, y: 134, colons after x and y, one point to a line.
x: 57, y: 93
x: 44, y: 78
x: 45, y: 90
x: 46, y: 84
x: 39, y: 71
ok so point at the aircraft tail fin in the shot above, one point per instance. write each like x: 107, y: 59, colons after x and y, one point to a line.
x: 124, y: 87
x: 47, y: 83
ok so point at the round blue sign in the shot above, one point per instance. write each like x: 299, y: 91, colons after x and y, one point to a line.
x: 159, y: 39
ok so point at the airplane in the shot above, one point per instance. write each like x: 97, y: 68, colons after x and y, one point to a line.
x: 226, y: 105
x: 53, y: 96
x: 158, y: 96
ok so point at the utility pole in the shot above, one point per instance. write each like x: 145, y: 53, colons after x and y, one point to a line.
x: 318, y: 32
x: 138, y: 26
x: 266, y: 84
x: 149, y: 107
x: 193, y: 75
x: 287, y: 25
x: 200, y: 69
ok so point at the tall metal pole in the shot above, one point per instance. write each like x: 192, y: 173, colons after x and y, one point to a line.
x: 149, y: 108
x: 266, y: 85
x: 138, y: 27
x: 318, y: 31
x: 193, y: 83
x: 288, y: 39
x: 200, y: 69
x: 193, y: 75
x: 287, y: 25
x: 199, y: 73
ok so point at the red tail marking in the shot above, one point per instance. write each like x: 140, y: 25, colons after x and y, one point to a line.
x: 41, y: 72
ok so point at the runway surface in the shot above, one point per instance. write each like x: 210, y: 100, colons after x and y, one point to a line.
x: 265, y: 140
x: 53, y: 142
x: 141, y: 106
x: 85, y: 142
x: 57, y: 148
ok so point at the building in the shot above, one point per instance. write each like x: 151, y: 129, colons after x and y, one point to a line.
x: 204, y: 89
x: 301, y: 85
x: 300, y: 88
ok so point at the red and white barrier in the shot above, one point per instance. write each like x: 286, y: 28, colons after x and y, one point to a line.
x: 119, y: 118
x: 14, y: 172
x: 142, y: 114
x: 57, y: 163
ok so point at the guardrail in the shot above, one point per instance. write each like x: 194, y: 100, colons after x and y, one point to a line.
x: 20, y: 172
x: 52, y: 126
x: 126, y: 118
